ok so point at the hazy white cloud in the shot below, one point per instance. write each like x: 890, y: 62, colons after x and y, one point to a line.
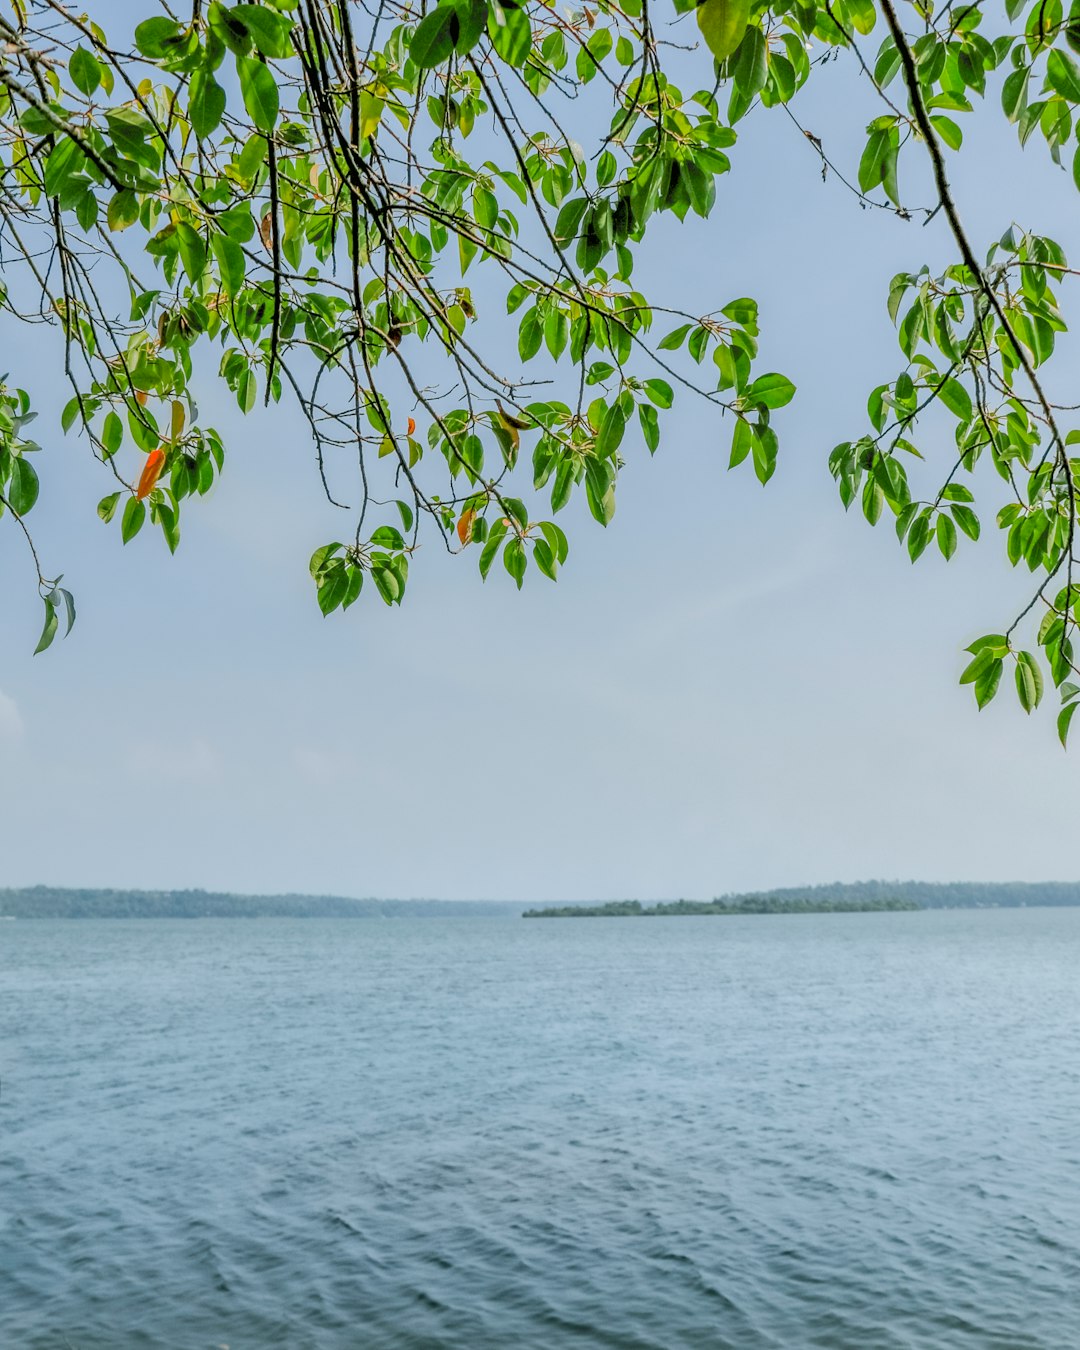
x: 11, y: 723
x: 193, y: 761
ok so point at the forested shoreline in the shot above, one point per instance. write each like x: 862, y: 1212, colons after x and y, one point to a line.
x: 54, y: 902
x: 923, y: 894
x: 618, y: 909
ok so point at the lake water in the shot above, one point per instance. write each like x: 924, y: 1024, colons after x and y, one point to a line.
x: 844, y: 1131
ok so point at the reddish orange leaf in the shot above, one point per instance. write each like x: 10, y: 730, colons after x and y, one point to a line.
x: 412, y: 426
x: 464, y: 525
x: 140, y: 397
x: 155, y: 462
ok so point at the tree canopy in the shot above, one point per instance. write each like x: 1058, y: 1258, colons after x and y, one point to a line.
x: 302, y: 193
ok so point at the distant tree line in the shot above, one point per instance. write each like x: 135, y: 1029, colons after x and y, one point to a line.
x: 925, y: 894
x: 48, y: 902
x: 760, y: 905
x: 844, y: 897
x: 52, y: 902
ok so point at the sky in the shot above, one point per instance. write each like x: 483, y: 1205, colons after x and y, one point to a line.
x: 731, y: 688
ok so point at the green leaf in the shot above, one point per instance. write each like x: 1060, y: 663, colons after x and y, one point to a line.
x: 247, y: 391
x: 611, y: 432
x: 517, y: 510
x: 751, y: 64
x: 64, y: 164
x: 510, y: 33
x: 229, y: 29
x: 650, y: 426
x: 84, y: 70
x: 567, y: 226
x: 515, y: 560
x: 433, y: 38
x: 765, y: 449
x: 1014, y: 93
x: 472, y: 17
x: 966, y: 518
x: 722, y: 24
x: 998, y: 641
x: 607, y: 166
x: 744, y: 312
x: 1064, y: 718
x: 773, y: 390
x: 946, y: 536
x: 863, y: 15
x: 530, y: 335
x: 957, y: 399
x: 888, y: 167
x: 675, y: 338
x: 107, y: 506
x: 165, y: 516
x: 49, y: 631
x: 563, y: 487
x: 871, y: 165
x: 192, y: 250
x: 320, y: 557
x: 556, y: 332
x: 356, y: 585
x: 132, y: 521
x: 601, y: 498
x: 918, y: 536
x: 206, y: 103
x: 1063, y: 75
x: 387, y: 583
x: 1029, y: 681
x: 112, y: 433
x: 979, y: 664
x: 269, y: 31
x: 231, y: 263
x: 123, y: 210
x: 742, y: 442
x: 986, y: 686
x: 260, y: 91
x: 873, y: 499
x: 22, y: 489
x: 556, y: 540
x: 491, y: 548
x: 545, y: 559
x: 70, y: 415
x: 332, y: 586
x: 152, y: 35
x: 949, y: 132
x: 66, y: 599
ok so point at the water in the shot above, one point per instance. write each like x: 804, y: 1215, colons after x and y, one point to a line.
x: 820, y: 1131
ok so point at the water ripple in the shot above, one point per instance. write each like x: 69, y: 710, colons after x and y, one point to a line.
x: 846, y: 1132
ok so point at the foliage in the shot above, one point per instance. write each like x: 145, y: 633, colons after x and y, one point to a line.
x: 302, y: 191
x: 56, y: 902
x: 925, y: 894
x: 618, y: 909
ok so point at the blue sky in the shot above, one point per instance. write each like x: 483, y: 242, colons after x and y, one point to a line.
x: 730, y: 688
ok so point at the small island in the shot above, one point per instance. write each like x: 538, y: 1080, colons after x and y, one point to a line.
x: 633, y: 909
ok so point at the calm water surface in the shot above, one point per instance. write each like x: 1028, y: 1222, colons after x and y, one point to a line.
x: 844, y: 1131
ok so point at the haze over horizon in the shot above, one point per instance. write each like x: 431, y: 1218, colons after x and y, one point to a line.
x: 765, y: 696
